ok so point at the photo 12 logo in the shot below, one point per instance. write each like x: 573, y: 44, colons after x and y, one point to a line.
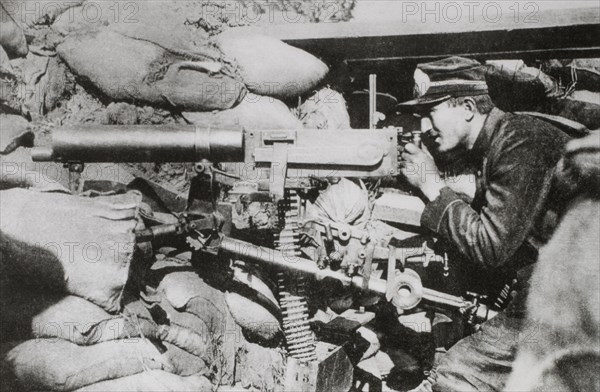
x: 70, y: 11
x: 469, y: 11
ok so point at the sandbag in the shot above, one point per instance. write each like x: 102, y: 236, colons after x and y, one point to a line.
x: 184, y: 363
x: 152, y: 381
x: 12, y: 38
x: 188, y: 293
x: 43, y: 84
x: 8, y: 381
x: 518, y: 88
x: 192, y: 346
x: 6, y: 68
x: 254, y: 307
x: 260, y: 367
x: 587, y: 73
x: 77, y: 245
x: 254, y: 112
x: 58, y: 365
x: 31, y: 91
x: 584, y: 113
x: 325, y: 109
x: 136, y: 70
x: 269, y: 66
x: 186, y: 331
x: 14, y: 133
x: 8, y: 95
x: 31, y: 313
x: 584, y: 73
x: 17, y: 169
x: 586, y: 96
x: 201, y: 308
x: 162, y: 23
x: 195, y: 342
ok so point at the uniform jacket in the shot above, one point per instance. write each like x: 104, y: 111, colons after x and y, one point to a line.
x: 509, y: 217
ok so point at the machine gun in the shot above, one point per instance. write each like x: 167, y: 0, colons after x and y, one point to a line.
x: 283, y: 167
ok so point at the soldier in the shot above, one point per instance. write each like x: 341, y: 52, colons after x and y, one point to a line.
x: 508, y: 219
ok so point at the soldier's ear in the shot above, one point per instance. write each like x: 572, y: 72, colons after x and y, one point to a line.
x: 470, y: 108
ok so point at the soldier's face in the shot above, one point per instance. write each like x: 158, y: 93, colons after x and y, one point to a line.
x: 447, y: 126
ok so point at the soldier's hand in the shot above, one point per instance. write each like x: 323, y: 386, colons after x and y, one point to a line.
x: 421, y: 171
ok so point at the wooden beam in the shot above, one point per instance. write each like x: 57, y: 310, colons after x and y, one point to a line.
x: 557, y: 33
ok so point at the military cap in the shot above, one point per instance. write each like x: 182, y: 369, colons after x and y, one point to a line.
x: 443, y: 79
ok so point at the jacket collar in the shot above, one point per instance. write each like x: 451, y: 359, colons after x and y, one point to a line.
x: 484, y: 140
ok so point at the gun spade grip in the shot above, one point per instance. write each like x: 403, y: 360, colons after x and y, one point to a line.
x: 143, y: 143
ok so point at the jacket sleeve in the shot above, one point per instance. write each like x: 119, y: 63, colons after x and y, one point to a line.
x: 517, y: 186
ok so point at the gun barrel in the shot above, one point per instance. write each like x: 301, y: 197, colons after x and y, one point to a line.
x: 280, y: 259
x: 142, y: 143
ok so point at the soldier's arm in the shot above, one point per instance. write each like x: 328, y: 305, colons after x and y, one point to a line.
x: 516, y: 192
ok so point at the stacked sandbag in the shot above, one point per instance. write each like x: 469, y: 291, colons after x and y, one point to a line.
x: 585, y: 72
x: 150, y: 53
x: 8, y: 85
x: 156, y: 70
x: 254, y: 307
x: 8, y: 381
x: 581, y: 80
x: 515, y: 87
x: 30, y: 313
x: 199, y: 325
x: 260, y: 368
x: 229, y: 316
x: 15, y: 133
x: 255, y: 112
x: 160, y: 61
x: 59, y: 365
x: 100, y: 346
x: 270, y: 67
x: 124, y: 68
x: 65, y: 263
x: 12, y: 38
x: 124, y: 364
x: 556, y: 95
x: 43, y: 83
x: 76, y: 245
x: 325, y: 109
x: 152, y: 381
x: 161, y: 23
x: 148, y: 334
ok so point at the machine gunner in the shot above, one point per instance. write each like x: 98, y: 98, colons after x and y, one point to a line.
x: 508, y: 219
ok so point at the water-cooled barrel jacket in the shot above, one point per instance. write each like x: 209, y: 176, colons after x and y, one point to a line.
x: 508, y: 219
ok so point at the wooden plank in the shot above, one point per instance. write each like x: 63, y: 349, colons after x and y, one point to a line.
x: 555, y: 32
x: 399, y: 208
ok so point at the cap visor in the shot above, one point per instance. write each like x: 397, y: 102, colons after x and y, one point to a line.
x: 422, y: 102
